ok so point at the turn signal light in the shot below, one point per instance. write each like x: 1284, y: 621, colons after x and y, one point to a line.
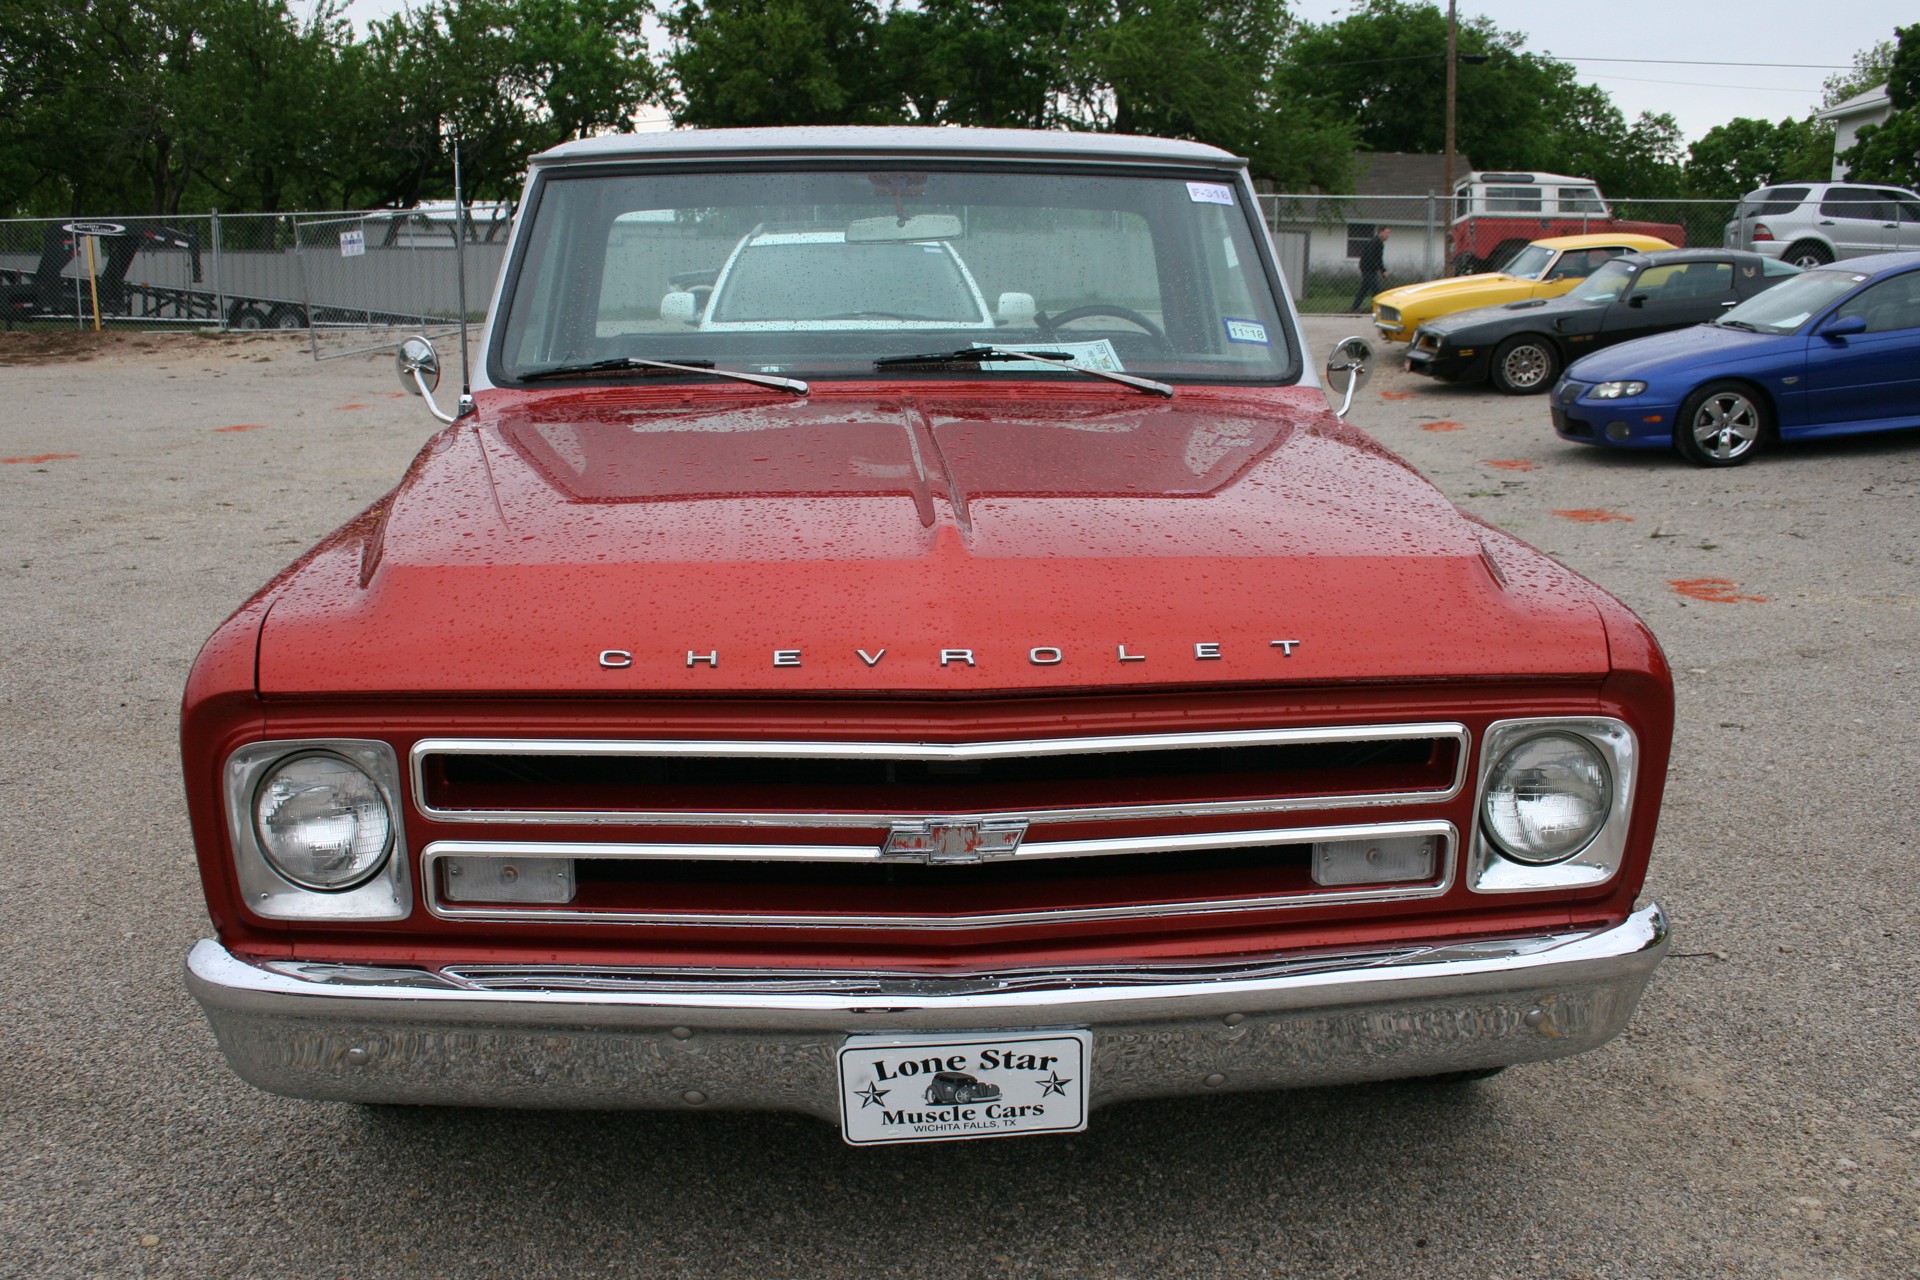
x: 471, y: 879
x: 1340, y: 862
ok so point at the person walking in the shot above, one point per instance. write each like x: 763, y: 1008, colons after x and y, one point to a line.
x: 1373, y: 265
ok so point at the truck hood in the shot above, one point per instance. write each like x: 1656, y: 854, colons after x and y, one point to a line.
x: 954, y: 539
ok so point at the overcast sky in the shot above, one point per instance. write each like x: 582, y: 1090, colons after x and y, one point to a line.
x: 1707, y: 36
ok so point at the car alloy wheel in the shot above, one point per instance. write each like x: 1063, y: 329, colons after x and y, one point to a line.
x: 1809, y: 255
x: 1525, y: 366
x: 1721, y: 425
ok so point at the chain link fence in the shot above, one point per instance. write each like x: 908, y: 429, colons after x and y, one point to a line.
x: 1319, y: 238
x: 352, y: 281
x: 360, y: 281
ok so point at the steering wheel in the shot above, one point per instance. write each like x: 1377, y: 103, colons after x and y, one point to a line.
x: 1049, y: 323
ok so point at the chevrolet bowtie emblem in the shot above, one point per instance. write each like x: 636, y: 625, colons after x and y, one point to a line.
x: 953, y: 840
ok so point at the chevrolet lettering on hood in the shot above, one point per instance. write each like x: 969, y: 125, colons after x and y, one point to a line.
x: 897, y: 634
x: 1044, y: 655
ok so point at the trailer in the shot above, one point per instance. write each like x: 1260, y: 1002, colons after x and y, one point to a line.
x: 83, y: 269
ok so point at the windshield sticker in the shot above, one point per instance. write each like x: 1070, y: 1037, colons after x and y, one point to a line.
x: 1087, y: 355
x: 1209, y: 193
x: 1246, y: 331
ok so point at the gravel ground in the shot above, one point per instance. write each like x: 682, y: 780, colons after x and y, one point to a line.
x: 1760, y: 1119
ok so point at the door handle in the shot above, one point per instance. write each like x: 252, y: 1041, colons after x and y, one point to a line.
x: 1826, y: 222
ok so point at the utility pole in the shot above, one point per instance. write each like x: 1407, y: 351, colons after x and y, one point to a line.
x: 1446, y: 168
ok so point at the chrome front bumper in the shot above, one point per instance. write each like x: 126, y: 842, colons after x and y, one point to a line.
x: 613, y: 1038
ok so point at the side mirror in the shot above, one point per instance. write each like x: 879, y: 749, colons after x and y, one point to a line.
x: 1349, y: 365
x: 1016, y: 310
x: 1844, y: 326
x: 1637, y: 300
x: 683, y: 307
x: 419, y: 367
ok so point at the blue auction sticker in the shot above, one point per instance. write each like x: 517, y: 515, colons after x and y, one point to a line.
x: 1246, y: 331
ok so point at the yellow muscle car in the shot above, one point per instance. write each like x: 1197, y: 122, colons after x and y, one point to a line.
x: 1544, y: 269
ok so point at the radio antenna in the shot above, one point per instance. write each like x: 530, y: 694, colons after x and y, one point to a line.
x: 465, y: 406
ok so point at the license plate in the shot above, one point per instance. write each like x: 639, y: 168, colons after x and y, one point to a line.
x: 942, y: 1088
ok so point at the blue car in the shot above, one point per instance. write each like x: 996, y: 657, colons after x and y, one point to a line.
x: 1830, y: 352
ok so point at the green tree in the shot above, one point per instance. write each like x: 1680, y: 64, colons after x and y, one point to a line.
x: 1744, y: 155
x: 1870, y: 68
x: 989, y: 63
x: 1890, y: 152
x: 1207, y: 70
x: 779, y: 62
x: 1383, y: 66
x: 172, y: 106
x: 507, y: 77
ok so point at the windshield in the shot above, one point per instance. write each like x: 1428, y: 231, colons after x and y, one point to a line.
x: 1530, y: 263
x: 1606, y: 284
x: 1792, y: 303
x: 817, y: 272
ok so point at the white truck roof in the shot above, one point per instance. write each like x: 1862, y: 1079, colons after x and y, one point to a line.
x: 1055, y: 144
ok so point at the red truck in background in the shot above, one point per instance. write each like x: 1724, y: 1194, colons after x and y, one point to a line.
x: 1495, y: 215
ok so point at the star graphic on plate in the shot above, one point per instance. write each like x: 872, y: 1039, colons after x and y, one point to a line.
x: 871, y: 1096
x: 1053, y: 1084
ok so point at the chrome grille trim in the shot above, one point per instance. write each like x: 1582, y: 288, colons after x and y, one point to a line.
x: 952, y: 752
x: 1445, y: 831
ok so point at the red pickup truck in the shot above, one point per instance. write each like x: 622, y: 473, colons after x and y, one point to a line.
x: 947, y: 673
x: 1495, y: 215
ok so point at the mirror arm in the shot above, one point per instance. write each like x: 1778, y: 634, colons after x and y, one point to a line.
x: 426, y: 393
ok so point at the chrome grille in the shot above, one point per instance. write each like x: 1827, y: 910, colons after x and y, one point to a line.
x: 863, y: 784
x: 936, y: 836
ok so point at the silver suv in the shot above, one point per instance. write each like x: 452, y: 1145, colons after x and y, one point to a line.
x: 1813, y: 223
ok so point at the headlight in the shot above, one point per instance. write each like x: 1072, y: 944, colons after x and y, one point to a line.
x: 322, y: 821
x: 1546, y: 798
x: 1615, y: 390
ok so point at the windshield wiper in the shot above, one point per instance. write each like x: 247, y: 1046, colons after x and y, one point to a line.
x: 1737, y: 324
x: 937, y: 360
x: 632, y: 364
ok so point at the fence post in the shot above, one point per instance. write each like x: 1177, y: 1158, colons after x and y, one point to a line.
x: 1426, y: 250
x: 219, y: 280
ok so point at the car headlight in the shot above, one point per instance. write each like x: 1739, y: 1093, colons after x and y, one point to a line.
x: 1547, y: 798
x: 1615, y: 390
x: 323, y: 823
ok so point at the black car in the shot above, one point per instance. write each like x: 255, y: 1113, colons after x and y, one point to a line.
x: 949, y: 1088
x: 1523, y: 346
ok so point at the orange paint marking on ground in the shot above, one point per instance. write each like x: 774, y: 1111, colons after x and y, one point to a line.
x: 1594, y: 515
x: 244, y: 426
x: 1397, y: 395
x: 42, y: 457
x: 354, y: 405
x: 1443, y: 426
x: 1713, y: 590
x: 1511, y: 464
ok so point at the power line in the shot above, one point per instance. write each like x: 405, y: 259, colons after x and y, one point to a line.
x: 1695, y: 84
x: 1689, y: 62
x: 1558, y: 57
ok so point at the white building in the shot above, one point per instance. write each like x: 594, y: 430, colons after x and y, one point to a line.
x: 1871, y: 107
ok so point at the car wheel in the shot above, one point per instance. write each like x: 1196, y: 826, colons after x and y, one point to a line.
x: 1525, y: 365
x: 247, y: 318
x: 287, y: 318
x: 1808, y: 254
x: 1721, y: 425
